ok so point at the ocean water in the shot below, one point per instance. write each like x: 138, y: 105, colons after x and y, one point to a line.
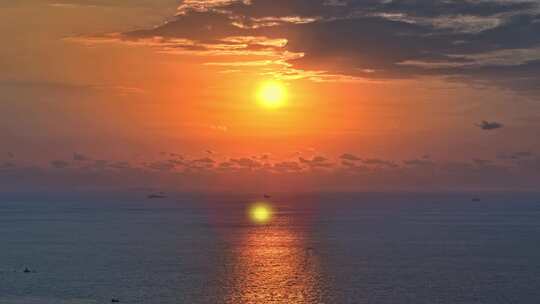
x: 319, y: 248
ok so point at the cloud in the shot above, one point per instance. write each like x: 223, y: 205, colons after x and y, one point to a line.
x: 206, y: 161
x: 419, y: 162
x: 247, y: 163
x: 347, y: 163
x: 488, y: 126
x: 205, y: 5
x: 515, y: 155
x: 516, y: 170
x: 160, y: 166
x: 80, y: 157
x: 66, y: 4
x: 60, y: 164
x: 350, y: 157
x: 198, y: 164
x: 316, y: 162
x: 84, y: 163
x: 379, y: 162
x: 354, y: 166
x: 354, y: 40
x: 176, y: 156
x: 287, y: 166
x: 482, y: 162
x: 120, y: 165
x: 263, y: 157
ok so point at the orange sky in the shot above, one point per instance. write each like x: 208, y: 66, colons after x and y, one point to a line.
x: 76, y: 78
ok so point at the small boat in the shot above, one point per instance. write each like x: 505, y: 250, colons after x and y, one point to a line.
x: 476, y: 199
x: 115, y: 300
x: 267, y: 196
x: 26, y: 270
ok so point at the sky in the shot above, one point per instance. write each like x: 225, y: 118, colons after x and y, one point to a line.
x: 162, y: 94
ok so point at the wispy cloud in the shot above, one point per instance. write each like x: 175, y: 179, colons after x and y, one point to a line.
x: 488, y: 126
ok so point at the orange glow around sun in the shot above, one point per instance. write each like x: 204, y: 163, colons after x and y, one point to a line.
x: 272, y: 94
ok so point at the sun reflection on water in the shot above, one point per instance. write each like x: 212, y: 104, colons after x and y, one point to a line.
x: 274, y: 265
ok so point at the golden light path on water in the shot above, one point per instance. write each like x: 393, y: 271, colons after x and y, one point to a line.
x: 273, y: 263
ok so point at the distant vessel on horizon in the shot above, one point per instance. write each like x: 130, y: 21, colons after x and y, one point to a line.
x: 476, y: 199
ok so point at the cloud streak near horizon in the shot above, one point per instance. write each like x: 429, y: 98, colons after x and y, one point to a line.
x: 518, y: 169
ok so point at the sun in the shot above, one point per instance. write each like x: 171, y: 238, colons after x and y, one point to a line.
x: 272, y: 94
x: 260, y: 213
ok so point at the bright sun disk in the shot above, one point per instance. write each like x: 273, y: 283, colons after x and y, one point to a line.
x: 272, y: 94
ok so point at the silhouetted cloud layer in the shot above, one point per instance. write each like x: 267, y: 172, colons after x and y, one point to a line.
x: 515, y: 170
x: 492, y: 41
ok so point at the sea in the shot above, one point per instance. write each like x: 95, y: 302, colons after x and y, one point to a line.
x: 399, y: 248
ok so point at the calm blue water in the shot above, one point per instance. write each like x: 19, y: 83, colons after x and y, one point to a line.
x: 325, y: 248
